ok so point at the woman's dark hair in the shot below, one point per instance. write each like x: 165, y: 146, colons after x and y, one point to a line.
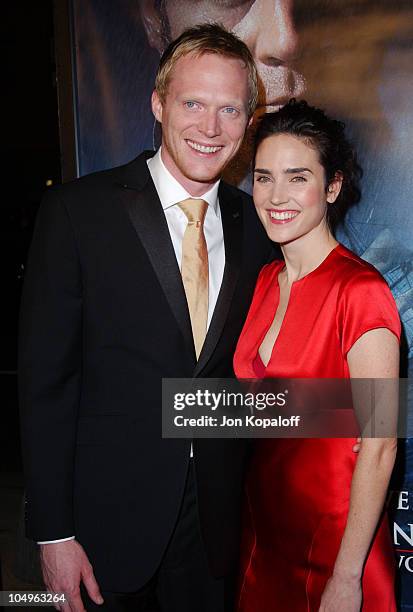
x: 327, y: 137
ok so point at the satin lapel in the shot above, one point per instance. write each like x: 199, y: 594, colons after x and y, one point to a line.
x: 231, y: 213
x: 148, y: 219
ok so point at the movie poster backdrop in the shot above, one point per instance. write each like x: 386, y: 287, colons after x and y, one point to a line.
x: 351, y: 57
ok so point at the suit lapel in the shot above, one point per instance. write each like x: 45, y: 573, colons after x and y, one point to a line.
x: 231, y: 213
x: 144, y: 208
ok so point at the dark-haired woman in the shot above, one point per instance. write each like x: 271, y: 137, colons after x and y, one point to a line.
x: 316, y: 537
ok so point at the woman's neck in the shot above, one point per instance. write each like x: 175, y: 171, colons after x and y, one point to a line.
x: 305, y: 254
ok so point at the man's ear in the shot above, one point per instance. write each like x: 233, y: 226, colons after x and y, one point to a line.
x: 152, y: 23
x: 156, y: 106
x: 334, y: 188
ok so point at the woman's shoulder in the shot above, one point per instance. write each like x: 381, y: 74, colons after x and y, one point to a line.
x: 353, y: 271
x: 365, y: 301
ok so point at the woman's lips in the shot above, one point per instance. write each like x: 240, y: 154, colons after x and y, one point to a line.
x: 280, y: 217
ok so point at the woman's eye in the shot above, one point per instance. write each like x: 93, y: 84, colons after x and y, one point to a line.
x: 230, y: 110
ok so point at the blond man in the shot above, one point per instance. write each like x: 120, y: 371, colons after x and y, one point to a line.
x: 127, y: 520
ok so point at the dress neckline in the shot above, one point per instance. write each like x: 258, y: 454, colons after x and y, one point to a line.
x: 258, y: 365
x: 320, y: 265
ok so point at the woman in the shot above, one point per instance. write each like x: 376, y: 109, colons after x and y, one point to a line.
x: 316, y: 538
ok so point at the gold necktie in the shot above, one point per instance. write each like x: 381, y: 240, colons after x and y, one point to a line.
x: 194, y: 268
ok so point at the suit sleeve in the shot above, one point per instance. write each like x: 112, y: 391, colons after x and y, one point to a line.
x: 50, y: 372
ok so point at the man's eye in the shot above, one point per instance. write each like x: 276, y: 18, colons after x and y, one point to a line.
x: 262, y: 179
x: 230, y: 110
x: 190, y: 104
x: 299, y: 179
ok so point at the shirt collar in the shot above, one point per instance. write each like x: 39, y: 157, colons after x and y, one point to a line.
x: 170, y: 191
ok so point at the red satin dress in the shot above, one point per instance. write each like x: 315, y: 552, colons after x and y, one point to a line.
x: 298, y: 490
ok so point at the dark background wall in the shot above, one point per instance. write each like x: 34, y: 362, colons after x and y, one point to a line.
x: 30, y: 157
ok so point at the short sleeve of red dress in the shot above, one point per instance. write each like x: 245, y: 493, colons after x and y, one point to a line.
x: 365, y: 303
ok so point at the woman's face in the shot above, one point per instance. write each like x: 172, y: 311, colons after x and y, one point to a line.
x: 289, y: 188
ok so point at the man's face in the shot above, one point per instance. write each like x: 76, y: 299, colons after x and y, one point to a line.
x: 266, y: 26
x: 204, y: 117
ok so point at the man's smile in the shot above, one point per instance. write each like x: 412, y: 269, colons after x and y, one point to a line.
x: 201, y: 148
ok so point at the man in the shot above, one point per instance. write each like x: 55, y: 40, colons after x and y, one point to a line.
x: 266, y: 27
x: 109, y: 124
x: 106, y: 315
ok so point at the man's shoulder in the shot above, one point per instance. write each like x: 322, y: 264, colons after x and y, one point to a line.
x: 103, y: 182
x: 235, y: 192
x: 253, y: 229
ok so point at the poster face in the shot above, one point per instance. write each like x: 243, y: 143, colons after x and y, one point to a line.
x: 350, y: 57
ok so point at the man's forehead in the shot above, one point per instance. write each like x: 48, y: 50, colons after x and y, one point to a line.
x: 213, y: 62
x: 195, y: 71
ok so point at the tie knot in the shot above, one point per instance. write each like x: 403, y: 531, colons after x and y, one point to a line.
x: 194, y: 209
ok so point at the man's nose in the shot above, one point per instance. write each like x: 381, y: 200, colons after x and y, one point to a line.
x: 210, y: 124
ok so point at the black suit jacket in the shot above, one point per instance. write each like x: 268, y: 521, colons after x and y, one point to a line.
x: 104, y: 318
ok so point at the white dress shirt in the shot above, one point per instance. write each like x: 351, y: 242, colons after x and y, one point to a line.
x: 171, y: 192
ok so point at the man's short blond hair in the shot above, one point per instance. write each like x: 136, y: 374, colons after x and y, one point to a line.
x: 207, y: 38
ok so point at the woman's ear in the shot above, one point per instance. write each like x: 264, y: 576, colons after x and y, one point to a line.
x: 334, y: 188
x: 152, y: 23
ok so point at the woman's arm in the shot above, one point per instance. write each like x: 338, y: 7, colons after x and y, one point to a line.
x: 374, y: 355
